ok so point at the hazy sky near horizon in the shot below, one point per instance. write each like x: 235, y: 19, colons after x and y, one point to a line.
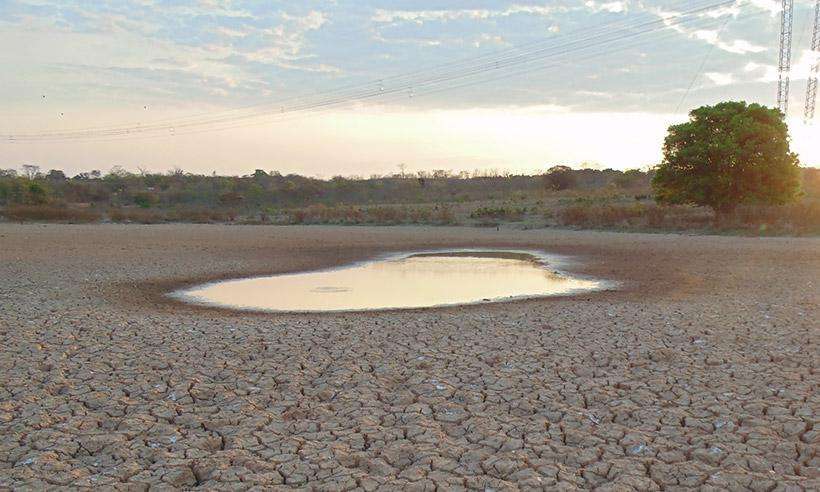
x: 589, y: 85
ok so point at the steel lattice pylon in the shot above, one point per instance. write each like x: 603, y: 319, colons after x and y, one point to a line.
x: 811, y: 87
x: 786, y: 21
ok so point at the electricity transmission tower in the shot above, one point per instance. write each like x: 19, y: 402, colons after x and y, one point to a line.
x: 786, y: 21
x: 811, y: 87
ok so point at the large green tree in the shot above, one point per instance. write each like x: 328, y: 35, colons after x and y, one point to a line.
x: 729, y: 154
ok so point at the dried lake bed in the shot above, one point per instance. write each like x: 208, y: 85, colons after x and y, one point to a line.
x: 698, y: 371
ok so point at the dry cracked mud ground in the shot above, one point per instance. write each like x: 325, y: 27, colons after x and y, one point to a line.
x: 700, y: 372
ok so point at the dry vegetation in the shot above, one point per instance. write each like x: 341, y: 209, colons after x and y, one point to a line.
x: 613, y: 213
x: 379, y: 215
x: 588, y: 199
x: 801, y: 218
x: 157, y: 216
x: 50, y: 213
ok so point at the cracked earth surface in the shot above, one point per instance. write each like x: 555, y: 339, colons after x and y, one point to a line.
x: 700, y: 372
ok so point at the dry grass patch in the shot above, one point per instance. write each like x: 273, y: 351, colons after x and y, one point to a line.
x: 49, y: 213
x: 373, y: 215
x: 800, y: 218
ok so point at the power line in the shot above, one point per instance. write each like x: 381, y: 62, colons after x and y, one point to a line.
x: 274, y: 105
x: 500, y: 76
x: 501, y: 62
x: 428, y: 91
x: 504, y: 75
x: 291, y: 116
x: 702, y: 65
x: 164, y: 124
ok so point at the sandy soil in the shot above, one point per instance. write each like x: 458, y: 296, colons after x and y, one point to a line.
x: 700, y: 372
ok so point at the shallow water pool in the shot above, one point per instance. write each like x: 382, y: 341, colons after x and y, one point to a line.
x: 412, y: 280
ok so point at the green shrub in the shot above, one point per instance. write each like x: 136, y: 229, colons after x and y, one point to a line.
x: 144, y: 199
x: 499, y: 213
x: 36, y: 193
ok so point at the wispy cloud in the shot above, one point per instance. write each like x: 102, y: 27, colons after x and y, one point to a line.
x: 614, y: 7
x: 711, y: 36
x: 285, y: 42
x: 800, y: 69
x: 719, y: 78
x: 240, y: 50
x: 443, y: 15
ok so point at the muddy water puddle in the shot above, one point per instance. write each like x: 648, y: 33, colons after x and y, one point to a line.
x: 403, y: 281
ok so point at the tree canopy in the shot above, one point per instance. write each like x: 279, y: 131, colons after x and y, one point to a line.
x: 729, y: 154
x: 560, y: 178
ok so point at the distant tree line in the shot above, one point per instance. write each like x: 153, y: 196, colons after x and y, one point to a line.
x: 729, y: 164
x: 266, y: 189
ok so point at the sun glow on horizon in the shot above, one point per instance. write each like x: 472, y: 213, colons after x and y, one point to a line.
x: 376, y: 140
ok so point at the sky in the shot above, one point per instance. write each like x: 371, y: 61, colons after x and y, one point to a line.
x: 361, y: 87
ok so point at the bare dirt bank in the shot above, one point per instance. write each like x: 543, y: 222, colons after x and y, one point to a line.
x: 699, y: 372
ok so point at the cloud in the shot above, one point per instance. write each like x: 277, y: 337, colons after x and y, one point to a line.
x: 737, y: 46
x: 733, y: 10
x: 231, y: 33
x: 605, y: 95
x: 285, y: 42
x: 246, y: 49
x: 151, y: 50
x: 310, y: 22
x: 444, y: 15
x: 800, y: 69
x: 767, y: 73
x: 613, y: 7
x: 720, y: 79
x: 434, y: 20
x: 773, y: 6
x: 531, y: 9
x: 486, y: 39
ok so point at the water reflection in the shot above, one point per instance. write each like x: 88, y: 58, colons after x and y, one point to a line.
x: 405, y: 281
